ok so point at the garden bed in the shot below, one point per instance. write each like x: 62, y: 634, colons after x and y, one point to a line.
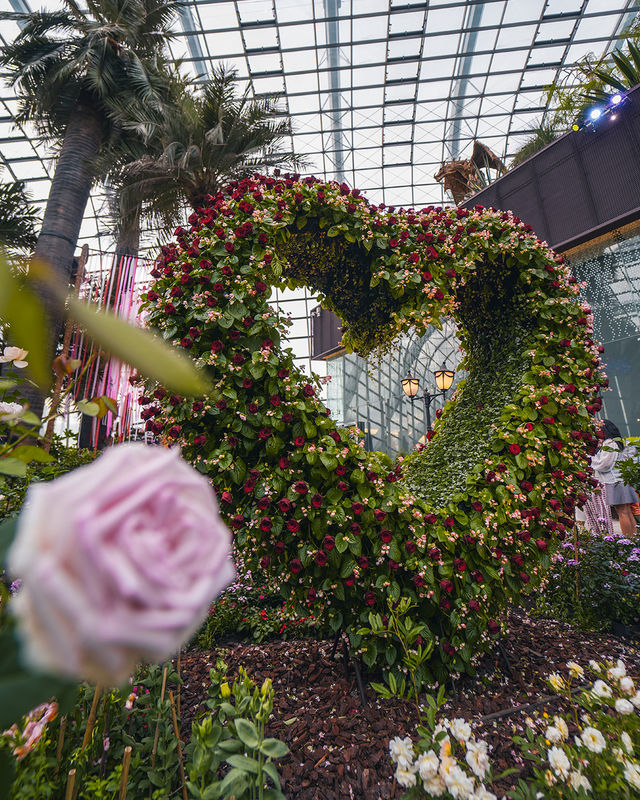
x: 339, y: 749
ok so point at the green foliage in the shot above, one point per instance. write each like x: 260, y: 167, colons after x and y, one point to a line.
x: 459, y: 529
x: 540, y: 137
x: 18, y: 218
x: 232, y: 737
x: 595, y: 586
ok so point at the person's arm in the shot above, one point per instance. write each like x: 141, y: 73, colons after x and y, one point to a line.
x: 605, y: 459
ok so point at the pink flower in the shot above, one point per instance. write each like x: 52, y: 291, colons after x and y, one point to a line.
x: 120, y: 561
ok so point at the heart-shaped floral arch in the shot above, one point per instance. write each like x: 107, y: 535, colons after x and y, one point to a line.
x: 460, y: 528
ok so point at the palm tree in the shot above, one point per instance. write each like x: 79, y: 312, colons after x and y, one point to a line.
x: 212, y: 136
x: 18, y: 219
x: 69, y: 68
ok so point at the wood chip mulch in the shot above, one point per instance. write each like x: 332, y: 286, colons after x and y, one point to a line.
x: 339, y: 749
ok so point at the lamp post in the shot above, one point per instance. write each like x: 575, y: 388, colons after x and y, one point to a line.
x: 411, y: 385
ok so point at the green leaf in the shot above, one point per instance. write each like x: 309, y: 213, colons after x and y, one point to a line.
x: 274, y: 748
x: 30, y: 452
x: 23, y: 311
x: 247, y: 732
x: 88, y: 408
x: 139, y: 348
x: 7, y: 533
x: 21, y: 690
x: 272, y: 772
x: 7, y: 773
x: 13, y: 466
x: 244, y: 763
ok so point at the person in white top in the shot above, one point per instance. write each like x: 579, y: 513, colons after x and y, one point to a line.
x: 604, y: 462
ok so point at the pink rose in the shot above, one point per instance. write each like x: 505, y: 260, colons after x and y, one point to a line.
x: 119, y: 562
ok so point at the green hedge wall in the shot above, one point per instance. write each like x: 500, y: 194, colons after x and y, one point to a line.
x: 461, y: 527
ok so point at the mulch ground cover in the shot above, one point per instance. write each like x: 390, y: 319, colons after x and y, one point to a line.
x: 339, y: 748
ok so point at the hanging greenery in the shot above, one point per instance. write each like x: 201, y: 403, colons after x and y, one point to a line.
x: 460, y: 528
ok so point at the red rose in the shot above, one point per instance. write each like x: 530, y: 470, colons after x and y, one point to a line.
x: 252, y: 408
x: 316, y: 501
x: 426, y: 276
x: 363, y: 562
x: 517, y: 559
x: 341, y: 470
x: 430, y: 518
x: 476, y: 505
x: 263, y: 503
x: 170, y: 309
x: 308, y: 390
x: 200, y: 439
x: 542, y: 545
x: 524, y: 536
x: 446, y: 586
x: 238, y: 358
x: 300, y: 487
x: 293, y: 526
x: 283, y: 373
x: 526, y: 486
x: 459, y: 564
x: 321, y: 558
x: 274, y: 400
x: 445, y: 602
x: 328, y: 542
x: 283, y: 463
x: 284, y: 505
x: 221, y: 404
x: 264, y: 433
x: 356, y: 529
x: 264, y: 562
x: 174, y: 431
x: 261, y: 287
x: 548, y: 420
x: 386, y: 536
x: 448, y: 648
x: 514, y: 448
x: 524, y: 577
x: 369, y: 598
x: 379, y: 515
x: 449, y: 522
x: 435, y: 553
x: 556, y: 444
x: 477, y: 576
x: 299, y: 441
x: 494, y: 627
x: 237, y: 522
x: 357, y: 508
x: 311, y: 595
x: 349, y: 581
x: 266, y: 524
x: 418, y: 580
x: 410, y: 546
x: 226, y: 497
x: 474, y: 605
x: 342, y: 486
x: 295, y: 566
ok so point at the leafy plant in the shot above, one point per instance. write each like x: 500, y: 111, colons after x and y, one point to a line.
x: 462, y: 527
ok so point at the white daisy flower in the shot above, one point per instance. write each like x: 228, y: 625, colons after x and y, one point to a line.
x: 593, y: 740
x: 624, y: 706
x: 427, y: 765
x: 601, y: 689
x: 558, y: 761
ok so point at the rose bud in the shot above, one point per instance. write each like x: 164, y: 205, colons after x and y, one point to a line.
x: 284, y: 505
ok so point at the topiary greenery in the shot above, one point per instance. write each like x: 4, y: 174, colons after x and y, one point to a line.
x: 463, y: 526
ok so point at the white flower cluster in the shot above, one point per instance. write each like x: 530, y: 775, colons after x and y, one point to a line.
x: 441, y: 772
x: 591, y: 738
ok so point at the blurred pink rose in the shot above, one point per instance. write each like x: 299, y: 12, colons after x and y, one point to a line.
x: 119, y: 560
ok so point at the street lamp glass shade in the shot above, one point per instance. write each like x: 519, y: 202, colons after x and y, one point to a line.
x: 410, y: 386
x: 444, y: 378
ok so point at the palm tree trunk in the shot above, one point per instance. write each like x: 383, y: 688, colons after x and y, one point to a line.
x: 63, y: 215
x: 128, y: 241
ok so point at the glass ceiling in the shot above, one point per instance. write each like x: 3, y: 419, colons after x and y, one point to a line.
x: 380, y: 92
